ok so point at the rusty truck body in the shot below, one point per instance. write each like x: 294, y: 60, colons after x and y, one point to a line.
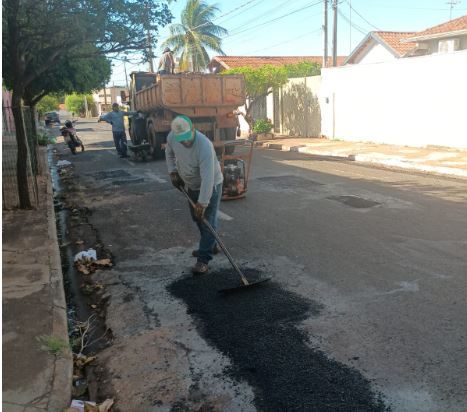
x: 210, y: 100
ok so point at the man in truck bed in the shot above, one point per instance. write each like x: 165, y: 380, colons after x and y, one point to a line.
x: 192, y: 162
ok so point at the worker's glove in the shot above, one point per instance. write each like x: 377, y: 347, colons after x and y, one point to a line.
x: 199, y: 211
x: 176, y: 180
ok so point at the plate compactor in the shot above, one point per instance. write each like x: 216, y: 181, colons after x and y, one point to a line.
x: 236, y: 168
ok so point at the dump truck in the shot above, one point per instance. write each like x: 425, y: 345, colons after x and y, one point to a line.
x: 210, y: 100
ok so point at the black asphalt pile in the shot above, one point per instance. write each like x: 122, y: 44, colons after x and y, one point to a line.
x: 258, y: 330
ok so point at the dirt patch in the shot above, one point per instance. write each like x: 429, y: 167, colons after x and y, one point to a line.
x: 258, y: 329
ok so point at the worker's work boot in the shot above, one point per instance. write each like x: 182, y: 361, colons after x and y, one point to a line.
x: 200, y: 268
x: 215, y: 251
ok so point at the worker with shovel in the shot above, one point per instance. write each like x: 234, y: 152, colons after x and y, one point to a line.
x: 192, y: 163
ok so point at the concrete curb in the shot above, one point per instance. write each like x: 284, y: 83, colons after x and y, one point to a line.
x: 60, y: 394
x: 386, y: 161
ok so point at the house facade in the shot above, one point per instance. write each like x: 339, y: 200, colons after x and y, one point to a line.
x: 384, y: 46
x: 444, y: 38
x: 104, y: 98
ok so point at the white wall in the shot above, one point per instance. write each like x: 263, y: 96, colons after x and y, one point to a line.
x: 376, y: 54
x: 415, y: 101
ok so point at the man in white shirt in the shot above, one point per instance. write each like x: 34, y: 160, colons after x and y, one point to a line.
x: 192, y: 162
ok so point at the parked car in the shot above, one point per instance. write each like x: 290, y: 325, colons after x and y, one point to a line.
x: 51, y: 117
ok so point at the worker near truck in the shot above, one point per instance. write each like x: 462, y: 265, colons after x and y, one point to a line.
x: 115, y: 118
x: 166, y: 62
x: 192, y: 163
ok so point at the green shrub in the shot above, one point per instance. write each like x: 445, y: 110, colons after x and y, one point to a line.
x: 262, y: 126
x: 42, y: 139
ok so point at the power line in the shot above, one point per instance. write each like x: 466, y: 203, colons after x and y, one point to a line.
x: 358, y: 28
x: 276, y: 18
x: 225, y: 14
x: 245, y: 10
x: 287, y: 41
x: 363, y: 18
x: 256, y: 18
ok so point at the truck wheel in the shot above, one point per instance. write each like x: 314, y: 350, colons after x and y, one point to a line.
x: 229, y: 134
x: 156, y: 140
x: 137, y: 131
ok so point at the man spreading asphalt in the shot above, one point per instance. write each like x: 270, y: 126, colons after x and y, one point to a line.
x: 192, y: 162
x: 115, y: 118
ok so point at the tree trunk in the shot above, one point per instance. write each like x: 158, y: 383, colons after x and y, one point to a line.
x: 22, y: 158
x: 31, y: 102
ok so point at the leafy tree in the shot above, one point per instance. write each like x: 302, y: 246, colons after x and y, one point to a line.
x: 68, y: 75
x: 47, y: 104
x: 75, y: 102
x: 36, y: 33
x: 195, y: 34
x: 259, y: 82
x: 303, y: 69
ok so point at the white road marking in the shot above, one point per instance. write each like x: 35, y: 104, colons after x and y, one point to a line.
x: 224, y: 216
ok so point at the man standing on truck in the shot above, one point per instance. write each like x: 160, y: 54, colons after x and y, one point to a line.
x: 166, y: 62
x: 192, y: 163
x: 115, y: 118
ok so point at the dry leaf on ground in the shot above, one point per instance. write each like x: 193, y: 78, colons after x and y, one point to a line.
x: 103, y: 262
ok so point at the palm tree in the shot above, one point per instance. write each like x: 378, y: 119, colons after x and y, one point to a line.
x: 195, y: 34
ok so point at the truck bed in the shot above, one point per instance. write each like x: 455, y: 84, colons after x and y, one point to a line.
x: 195, y: 95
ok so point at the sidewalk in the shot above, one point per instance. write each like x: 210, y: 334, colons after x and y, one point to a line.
x: 439, y: 160
x: 34, y: 306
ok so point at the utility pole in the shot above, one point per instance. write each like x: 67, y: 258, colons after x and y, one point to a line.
x: 126, y: 76
x: 150, y: 55
x: 334, y: 35
x: 85, y: 106
x: 149, y: 41
x: 452, y: 3
x: 325, y: 33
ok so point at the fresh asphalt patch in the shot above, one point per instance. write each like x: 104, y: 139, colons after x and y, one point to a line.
x: 258, y: 329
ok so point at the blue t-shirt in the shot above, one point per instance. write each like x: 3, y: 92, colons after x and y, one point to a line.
x: 116, y: 119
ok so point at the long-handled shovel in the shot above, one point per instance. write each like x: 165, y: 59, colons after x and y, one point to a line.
x: 245, y: 282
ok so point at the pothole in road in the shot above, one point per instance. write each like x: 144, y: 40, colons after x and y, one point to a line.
x: 127, y: 182
x: 289, y: 182
x: 118, y: 177
x: 354, y: 201
x: 110, y: 174
x: 258, y: 329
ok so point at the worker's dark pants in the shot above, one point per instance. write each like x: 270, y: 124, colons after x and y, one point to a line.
x: 120, y: 142
x: 207, y: 241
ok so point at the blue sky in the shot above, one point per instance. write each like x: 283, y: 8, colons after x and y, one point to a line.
x: 294, y: 27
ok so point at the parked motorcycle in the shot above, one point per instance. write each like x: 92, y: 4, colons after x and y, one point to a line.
x: 71, y: 138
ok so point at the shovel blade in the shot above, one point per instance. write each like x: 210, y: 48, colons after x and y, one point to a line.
x: 239, y: 288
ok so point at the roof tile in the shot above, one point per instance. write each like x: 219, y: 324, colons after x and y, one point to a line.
x: 393, y: 40
x: 258, y: 61
x: 452, y: 25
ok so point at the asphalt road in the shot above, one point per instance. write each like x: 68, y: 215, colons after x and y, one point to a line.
x: 369, y: 266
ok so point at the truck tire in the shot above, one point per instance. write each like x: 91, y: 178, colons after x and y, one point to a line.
x: 137, y: 131
x: 155, y: 140
x: 229, y: 134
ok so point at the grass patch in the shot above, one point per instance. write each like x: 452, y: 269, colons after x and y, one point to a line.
x: 53, y: 345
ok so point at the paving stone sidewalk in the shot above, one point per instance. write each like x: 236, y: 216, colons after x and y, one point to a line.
x: 439, y: 160
x: 33, y: 306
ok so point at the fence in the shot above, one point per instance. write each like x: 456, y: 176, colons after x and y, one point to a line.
x: 296, y: 108
x: 414, y: 101
x: 10, y: 193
